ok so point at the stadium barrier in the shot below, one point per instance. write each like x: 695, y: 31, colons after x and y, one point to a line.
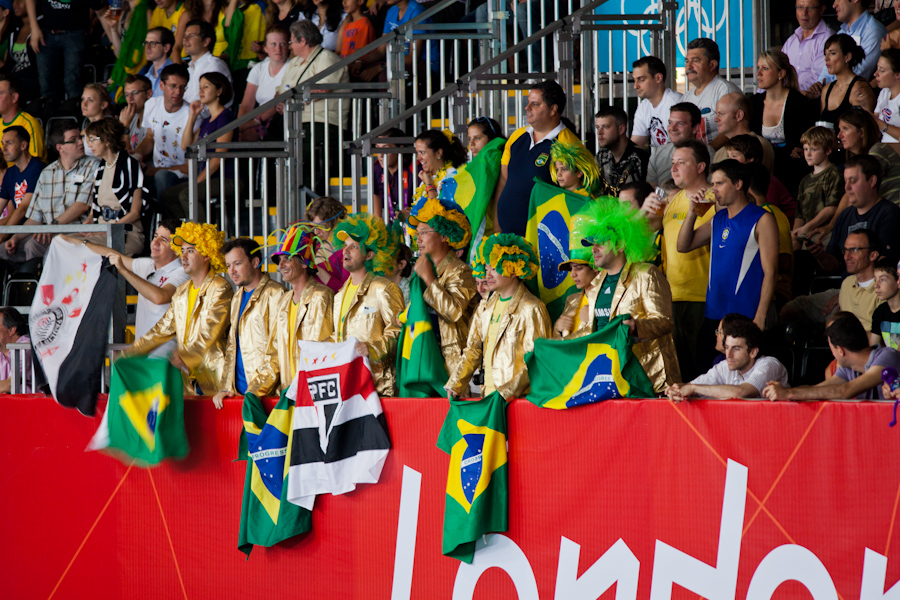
x: 727, y: 499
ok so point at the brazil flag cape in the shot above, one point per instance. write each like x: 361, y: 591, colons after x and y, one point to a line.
x: 477, y: 502
x: 266, y: 516
x: 144, y: 418
x: 549, y: 213
x: 597, y: 367
x: 475, y: 183
x: 421, y: 372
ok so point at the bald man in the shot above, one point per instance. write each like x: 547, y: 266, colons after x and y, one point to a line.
x: 733, y: 113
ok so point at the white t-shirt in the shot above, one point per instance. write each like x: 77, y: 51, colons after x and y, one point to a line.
x: 266, y: 85
x: 149, y: 313
x: 205, y: 64
x: 330, y: 39
x: 706, y: 102
x: 889, y: 110
x: 653, y: 120
x: 167, y: 131
x: 764, y: 370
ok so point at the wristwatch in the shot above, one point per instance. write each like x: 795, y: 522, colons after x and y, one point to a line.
x: 884, y: 129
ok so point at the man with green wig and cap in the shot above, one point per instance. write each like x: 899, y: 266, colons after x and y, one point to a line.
x: 198, y: 315
x: 621, y: 241
x: 506, y: 324
x: 302, y: 313
x: 574, y: 320
x: 440, y: 227
x: 574, y: 169
x: 368, y: 304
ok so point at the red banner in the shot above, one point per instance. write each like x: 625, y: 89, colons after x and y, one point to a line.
x: 625, y: 500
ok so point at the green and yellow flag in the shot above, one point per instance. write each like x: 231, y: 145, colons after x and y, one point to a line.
x: 421, y: 372
x: 131, y: 54
x: 594, y: 368
x: 477, y: 502
x: 144, y: 417
x: 549, y: 214
x: 266, y: 516
x: 475, y: 183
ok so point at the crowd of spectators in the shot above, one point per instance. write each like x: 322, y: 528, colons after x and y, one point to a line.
x: 749, y: 195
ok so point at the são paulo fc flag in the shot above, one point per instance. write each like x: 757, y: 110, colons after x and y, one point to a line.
x: 339, y: 432
x: 69, y: 321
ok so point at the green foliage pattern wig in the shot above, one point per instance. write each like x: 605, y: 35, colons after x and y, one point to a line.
x: 371, y: 234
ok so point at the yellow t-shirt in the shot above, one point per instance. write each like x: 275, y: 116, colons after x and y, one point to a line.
x: 158, y: 18
x: 192, y: 300
x: 34, y: 129
x: 254, y: 30
x: 783, y: 283
x: 491, y: 342
x: 346, y: 301
x: 688, y: 274
x: 292, y: 333
x: 576, y: 320
x: 221, y: 42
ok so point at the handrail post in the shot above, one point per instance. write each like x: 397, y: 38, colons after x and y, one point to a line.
x: 669, y: 50
x: 396, y: 75
x: 565, y: 61
x: 293, y: 137
x: 193, y: 172
x: 115, y: 239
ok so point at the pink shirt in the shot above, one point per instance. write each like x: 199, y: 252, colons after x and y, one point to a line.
x: 808, y: 56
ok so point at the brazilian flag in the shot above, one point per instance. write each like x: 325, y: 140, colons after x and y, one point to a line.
x: 594, y: 368
x: 475, y: 183
x: 144, y: 418
x: 549, y: 212
x: 266, y: 516
x: 477, y: 502
x: 421, y: 372
x: 131, y: 55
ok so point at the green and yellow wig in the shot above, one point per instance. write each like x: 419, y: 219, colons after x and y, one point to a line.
x: 608, y: 221
x: 510, y: 255
x: 371, y: 234
x: 446, y: 217
x: 577, y: 159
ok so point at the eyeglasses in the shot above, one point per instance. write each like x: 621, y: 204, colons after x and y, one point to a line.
x: 93, y: 139
x: 151, y: 43
x: 425, y: 232
x: 190, y: 36
x: 75, y: 141
x: 855, y: 250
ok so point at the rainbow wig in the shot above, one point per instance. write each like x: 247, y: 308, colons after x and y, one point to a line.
x: 298, y: 242
x: 206, y: 238
x: 446, y: 217
x: 510, y: 255
x: 577, y: 159
x: 371, y: 234
x: 608, y: 221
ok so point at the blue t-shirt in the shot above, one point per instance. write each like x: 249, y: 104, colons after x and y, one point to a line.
x: 240, y: 378
x: 392, y: 21
x: 18, y: 183
x: 735, y: 267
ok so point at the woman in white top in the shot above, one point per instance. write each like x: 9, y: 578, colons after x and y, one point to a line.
x: 94, y: 106
x: 262, y: 82
x: 327, y: 15
x: 887, y: 107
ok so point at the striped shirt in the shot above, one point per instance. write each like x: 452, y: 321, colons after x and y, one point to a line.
x: 58, y: 189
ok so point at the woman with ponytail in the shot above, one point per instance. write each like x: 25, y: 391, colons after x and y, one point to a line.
x: 842, y: 54
x: 439, y: 153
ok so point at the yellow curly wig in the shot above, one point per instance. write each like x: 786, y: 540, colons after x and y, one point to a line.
x: 206, y: 238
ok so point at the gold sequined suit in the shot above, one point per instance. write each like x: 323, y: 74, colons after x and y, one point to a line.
x: 372, y: 319
x: 314, y: 324
x: 573, y: 304
x: 202, y: 345
x: 524, y: 321
x: 644, y: 293
x: 253, y: 328
x: 453, y: 296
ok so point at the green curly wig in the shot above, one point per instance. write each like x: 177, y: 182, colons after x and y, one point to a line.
x: 510, y: 255
x: 607, y: 220
x: 371, y: 234
x: 577, y: 159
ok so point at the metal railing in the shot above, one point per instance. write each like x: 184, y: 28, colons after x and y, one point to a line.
x: 21, y: 367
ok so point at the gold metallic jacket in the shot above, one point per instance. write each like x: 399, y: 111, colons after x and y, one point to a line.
x: 314, y: 324
x: 453, y: 296
x: 202, y: 347
x: 573, y: 303
x: 372, y: 319
x: 644, y: 293
x: 524, y: 321
x: 253, y: 330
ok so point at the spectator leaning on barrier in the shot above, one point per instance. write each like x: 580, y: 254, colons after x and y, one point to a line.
x: 527, y: 155
x: 13, y: 330
x: 859, y: 367
x: 198, y: 316
x: 303, y: 313
x: 11, y: 114
x: 806, y: 46
x: 21, y: 177
x: 743, y: 373
x: 158, y: 44
x: 62, y: 194
x: 367, y: 305
x: 701, y: 67
x: 652, y: 112
x: 253, y: 322
x: 619, y: 159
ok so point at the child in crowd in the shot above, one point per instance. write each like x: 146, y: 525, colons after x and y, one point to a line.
x: 575, y: 169
x: 819, y: 192
x: 887, y: 107
x: 886, y: 318
x: 575, y: 318
x: 356, y: 31
x: 748, y: 149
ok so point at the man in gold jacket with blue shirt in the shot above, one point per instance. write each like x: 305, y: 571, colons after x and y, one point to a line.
x: 197, y: 318
x: 367, y: 305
